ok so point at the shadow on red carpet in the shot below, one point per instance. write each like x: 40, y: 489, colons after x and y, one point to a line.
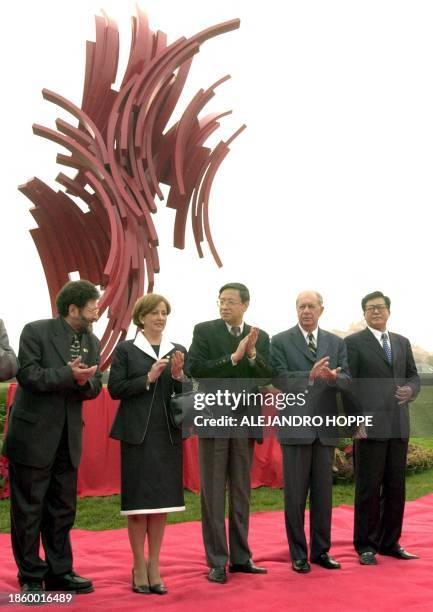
x: 391, y: 585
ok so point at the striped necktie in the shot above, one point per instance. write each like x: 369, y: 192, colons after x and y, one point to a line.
x: 235, y: 331
x: 386, y: 347
x: 312, y: 344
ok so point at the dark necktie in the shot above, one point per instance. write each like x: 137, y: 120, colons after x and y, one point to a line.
x: 312, y: 344
x: 387, y: 348
x: 235, y: 331
x: 75, y: 347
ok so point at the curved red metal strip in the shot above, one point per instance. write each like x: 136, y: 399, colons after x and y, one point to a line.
x: 84, y: 119
x: 122, y: 155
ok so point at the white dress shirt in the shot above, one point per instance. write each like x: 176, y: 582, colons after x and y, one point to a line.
x: 307, y: 333
x: 378, y: 335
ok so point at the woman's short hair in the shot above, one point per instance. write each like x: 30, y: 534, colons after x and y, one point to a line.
x: 146, y: 304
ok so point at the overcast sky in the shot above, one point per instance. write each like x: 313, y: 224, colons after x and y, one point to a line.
x: 330, y: 187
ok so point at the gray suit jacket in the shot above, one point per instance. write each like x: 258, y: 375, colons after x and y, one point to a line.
x: 8, y: 360
x: 292, y: 362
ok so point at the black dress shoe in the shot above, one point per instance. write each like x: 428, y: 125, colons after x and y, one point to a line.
x: 301, y: 566
x: 71, y: 582
x: 143, y: 589
x: 217, y: 574
x: 32, y: 587
x: 247, y: 568
x: 367, y: 558
x: 327, y: 562
x: 399, y: 553
x: 159, y: 589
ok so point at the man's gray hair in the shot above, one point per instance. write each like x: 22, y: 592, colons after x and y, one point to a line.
x: 316, y: 293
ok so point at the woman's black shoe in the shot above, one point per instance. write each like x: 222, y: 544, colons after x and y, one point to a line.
x: 159, y: 589
x: 144, y: 589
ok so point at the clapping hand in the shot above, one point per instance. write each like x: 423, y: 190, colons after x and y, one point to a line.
x: 246, y: 345
x: 157, y: 369
x: 251, y: 344
x: 81, y: 371
x: 322, y: 370
x: 329, y: 375
x: 316, y: 370
x: 177, y: 362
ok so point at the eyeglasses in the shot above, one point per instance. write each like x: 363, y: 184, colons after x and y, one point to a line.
x: 378, y: 307
x: 91, y: 310
x: 228, y: 302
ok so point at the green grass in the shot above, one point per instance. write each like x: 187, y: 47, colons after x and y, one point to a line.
x: 421, y: 413
x: 98, y: 513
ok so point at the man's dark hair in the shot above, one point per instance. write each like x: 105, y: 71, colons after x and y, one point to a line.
x: 373, y: 296
x: 75, y: 292
x: 243, y: 291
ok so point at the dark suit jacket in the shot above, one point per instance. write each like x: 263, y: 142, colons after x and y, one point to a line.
x: 127, y: 382
x: 209, y: 359
x: 375, y: 382
x: 292, y: 362
x: 48, y: 396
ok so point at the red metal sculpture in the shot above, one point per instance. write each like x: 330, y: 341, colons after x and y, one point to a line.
x: 122, y: 155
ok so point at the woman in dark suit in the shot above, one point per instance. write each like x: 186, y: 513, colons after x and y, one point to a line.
x: 143, y: 375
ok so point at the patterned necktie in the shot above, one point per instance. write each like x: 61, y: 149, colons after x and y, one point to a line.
x: 387, y: 348
x: 312, y: 344
x: 75, y: 347
x: 235, y: 331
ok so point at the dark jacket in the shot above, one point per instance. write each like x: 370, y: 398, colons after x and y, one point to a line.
x: 212, y: 346
x: 127, y: 382
x: 375, y: 382
x: 209, y: 361
x: 48, y: 395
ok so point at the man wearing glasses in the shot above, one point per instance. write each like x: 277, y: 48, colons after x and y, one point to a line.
x: 385, y: 380
x: 228, y: 349
x: 58, y: 369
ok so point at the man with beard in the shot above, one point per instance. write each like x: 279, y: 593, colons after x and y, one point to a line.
x: 58, y: 370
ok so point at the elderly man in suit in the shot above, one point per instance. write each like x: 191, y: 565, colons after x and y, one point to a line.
x: 385, y: 382
x: 232, y: 352
x: 309, y: 360
x: 8, y: 360
x: 58, y: 370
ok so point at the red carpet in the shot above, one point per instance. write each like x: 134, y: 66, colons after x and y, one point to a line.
x: 391, y: 585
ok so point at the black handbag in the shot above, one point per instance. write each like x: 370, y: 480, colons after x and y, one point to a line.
x: 183, y: 408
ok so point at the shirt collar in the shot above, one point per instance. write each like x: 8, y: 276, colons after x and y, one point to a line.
x: 70, y: 330
x: 144, y: 345
x: 306, y: 333
x: 241, y: 327
x: 378, y: 334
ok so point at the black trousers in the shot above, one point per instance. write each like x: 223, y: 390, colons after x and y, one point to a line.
x: 308, y: 467
x: 43, y: 506
x: 380, y: 473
